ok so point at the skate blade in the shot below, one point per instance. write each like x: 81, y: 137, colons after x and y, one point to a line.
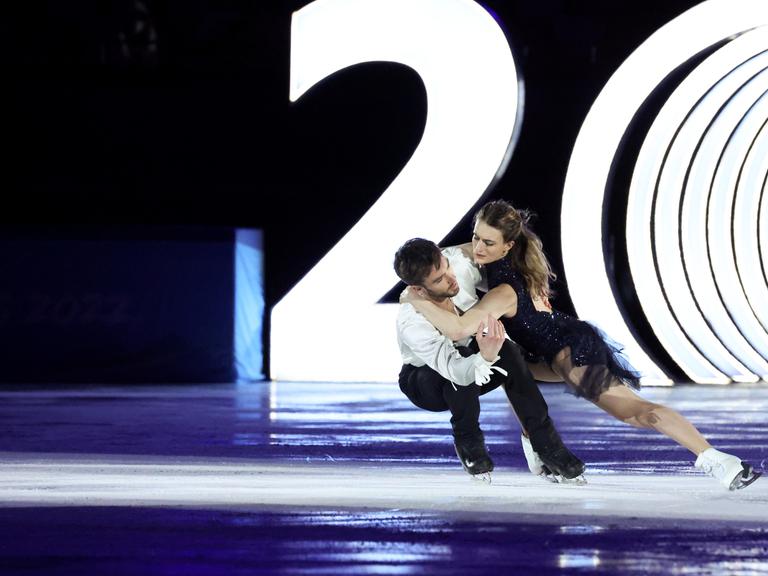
x: 548, y: 477
x: 483, y: 477
x: 745, y: 478
x: 579, y: 480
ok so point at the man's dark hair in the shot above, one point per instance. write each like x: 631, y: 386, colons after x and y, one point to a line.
x: 415, y: 259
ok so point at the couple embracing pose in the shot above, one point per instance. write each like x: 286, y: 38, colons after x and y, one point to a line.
x: 456, y: 347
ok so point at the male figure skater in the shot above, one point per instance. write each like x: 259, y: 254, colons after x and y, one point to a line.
x: 438, y: 374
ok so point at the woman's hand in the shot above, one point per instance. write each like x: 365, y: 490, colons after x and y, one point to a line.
x: 490, y: 336
x: 412, y: 294
x: 541, y: 303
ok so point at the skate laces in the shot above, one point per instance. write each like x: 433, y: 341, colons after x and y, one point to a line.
x: 713, y: 468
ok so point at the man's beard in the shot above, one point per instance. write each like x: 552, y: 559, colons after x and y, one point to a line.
x: 442, y: 295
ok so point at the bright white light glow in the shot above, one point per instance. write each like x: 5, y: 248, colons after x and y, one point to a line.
x: 751, y: 192
x: 722, y: 228
x: 692, y: 131
x: 704, y: 204
x: 676, y: 166
x: 328, y: 327
x: 762, y: 233
x: 698, y: 29
x: 651, y: 161
x: 579, y: 559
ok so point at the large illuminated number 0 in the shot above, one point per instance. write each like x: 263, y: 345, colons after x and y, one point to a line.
x: 681, y: 201
x: 328, y: 327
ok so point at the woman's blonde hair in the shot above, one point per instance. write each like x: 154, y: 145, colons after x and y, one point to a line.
x: 527, y: 254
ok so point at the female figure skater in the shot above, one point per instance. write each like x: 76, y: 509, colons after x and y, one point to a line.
x: 569, y: 349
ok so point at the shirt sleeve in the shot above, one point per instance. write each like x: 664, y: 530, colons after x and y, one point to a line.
x: 427, y: 344
x: 468, y: 275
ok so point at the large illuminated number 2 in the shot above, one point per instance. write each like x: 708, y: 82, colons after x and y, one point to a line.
x: 328, y: 327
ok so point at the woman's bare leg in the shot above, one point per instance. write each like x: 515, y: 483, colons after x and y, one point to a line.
x: 543, y: 373
x: 623, y: 404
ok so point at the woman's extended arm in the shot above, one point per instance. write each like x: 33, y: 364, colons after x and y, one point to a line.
x: 497, y: 302
x: 466, y: 248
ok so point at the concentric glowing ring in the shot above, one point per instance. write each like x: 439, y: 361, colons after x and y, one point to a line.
x: 723, y: 231
x: 747, y: 236
x: 684, y: 145
x: 683, y: 176
x: 690, y: 313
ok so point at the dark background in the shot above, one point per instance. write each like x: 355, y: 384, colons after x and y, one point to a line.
x: 167, y: 114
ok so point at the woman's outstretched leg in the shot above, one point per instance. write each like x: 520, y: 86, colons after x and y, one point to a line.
x: 624, y: 404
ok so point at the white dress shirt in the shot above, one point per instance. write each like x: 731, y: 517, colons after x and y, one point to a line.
x: 422, y: 344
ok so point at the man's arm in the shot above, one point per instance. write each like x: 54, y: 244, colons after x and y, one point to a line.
x: 497, y: 302
x: 466, y: 248
x: 439, y: 353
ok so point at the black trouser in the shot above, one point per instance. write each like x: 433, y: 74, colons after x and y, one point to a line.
x: 427, y: 389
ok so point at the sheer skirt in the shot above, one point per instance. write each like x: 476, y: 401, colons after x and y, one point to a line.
x: 591, y: 363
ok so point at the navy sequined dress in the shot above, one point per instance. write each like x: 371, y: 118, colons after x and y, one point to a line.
x: 596, y: 363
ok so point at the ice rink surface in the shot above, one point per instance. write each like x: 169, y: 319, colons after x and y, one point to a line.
x: 315, y: 478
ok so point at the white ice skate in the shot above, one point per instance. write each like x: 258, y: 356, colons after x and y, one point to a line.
x: 538, y: 468
x: 729, y: 470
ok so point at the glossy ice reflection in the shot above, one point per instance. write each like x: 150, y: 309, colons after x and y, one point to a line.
x: 304, y: 478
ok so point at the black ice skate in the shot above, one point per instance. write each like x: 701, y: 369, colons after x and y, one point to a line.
x: 535, y: 465
x: 564, y: 465
x: 474, y: 457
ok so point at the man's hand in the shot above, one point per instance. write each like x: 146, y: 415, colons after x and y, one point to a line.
x: 490, y: 337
